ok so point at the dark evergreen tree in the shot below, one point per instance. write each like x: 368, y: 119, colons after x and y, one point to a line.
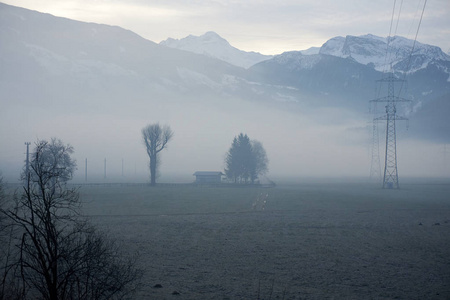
x: 244, y: 162
x: 231, y: 161
x: 246, y: 158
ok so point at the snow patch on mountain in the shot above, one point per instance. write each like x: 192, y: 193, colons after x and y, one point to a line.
x: 59, y: 65
x: 213, y: 45
x: 333, y: 47
x: 47, y: 59
x: 381, y: 52
x: 193, y: 78
x: 295, y: 60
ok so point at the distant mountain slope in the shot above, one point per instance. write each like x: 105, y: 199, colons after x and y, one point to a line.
x: 213, y: 45
x: 67, y: 54
x: 331, y: 80
x: 312, y: 50
x: 327, y: 79
x: 343, y: 65
x: 432, y: 121
x: 47, y: 61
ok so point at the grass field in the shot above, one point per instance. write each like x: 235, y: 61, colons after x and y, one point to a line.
x: 299, y: 241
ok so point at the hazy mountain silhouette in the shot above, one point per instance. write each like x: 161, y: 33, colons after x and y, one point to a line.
x: 47, y: 60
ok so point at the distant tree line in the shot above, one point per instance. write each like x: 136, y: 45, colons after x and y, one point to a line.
x: 48, y: 249
x: 245, y: 161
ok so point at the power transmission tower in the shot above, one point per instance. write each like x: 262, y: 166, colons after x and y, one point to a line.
x: 375, y: 164
x: 390, y: 178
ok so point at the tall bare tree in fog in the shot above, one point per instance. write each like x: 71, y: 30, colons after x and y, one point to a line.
x: 261, y: 160
x: 155, y: 139
x: 59, y: 255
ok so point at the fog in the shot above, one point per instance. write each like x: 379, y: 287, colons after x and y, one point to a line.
x: 325, y: 143
x: 95, y: 87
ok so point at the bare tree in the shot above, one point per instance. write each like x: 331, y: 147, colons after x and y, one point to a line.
x: 155, y: 139
x: 59, y: 254
x: 261, y: 160
x: 9, y: 285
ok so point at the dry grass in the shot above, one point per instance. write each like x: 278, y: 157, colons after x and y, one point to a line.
x: 308, y: 241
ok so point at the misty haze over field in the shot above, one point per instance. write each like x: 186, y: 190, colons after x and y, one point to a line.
x: 269, y: 105
x: 96, y: 86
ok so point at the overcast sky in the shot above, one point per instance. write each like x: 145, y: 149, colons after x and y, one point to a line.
x: 269, y: 27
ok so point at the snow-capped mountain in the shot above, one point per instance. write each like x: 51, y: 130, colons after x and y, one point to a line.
x: 345, y: 77
x: 330, y: 80
x: 377, y: 52
x: 295, y: 60
x: 347, y: 66
x: 213, y: 45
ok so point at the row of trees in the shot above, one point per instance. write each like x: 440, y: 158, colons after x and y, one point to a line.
x: 245, y: 161
x: 48, y: 249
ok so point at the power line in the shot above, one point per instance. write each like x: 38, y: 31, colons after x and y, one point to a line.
x: 414, y: 19
x: 389, y: 38
x: 413, y: 46
x: 395, y: 33
x: 375, y: 169
x: 390, y: 178
x: 398, y: 18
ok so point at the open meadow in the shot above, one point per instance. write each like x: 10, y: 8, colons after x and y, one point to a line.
x: 311, y: 240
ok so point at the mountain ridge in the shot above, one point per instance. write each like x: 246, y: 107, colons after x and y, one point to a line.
x: 366, y: 49
x: 88, y: 63
x: 213, y: 45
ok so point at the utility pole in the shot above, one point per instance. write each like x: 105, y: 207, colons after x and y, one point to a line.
x: 444, y: 160
x: 390, y: 178
x: 27, y: 162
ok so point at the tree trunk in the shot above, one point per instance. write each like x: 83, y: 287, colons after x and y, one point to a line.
x: 153, y: 170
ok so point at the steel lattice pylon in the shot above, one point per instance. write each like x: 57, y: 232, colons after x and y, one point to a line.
x: 375, y: 165
x: 390, y: 178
